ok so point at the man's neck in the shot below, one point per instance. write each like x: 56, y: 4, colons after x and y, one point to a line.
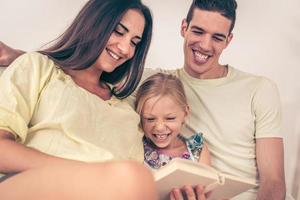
x: 217, y: 72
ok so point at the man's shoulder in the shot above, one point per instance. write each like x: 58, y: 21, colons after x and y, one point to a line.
x: 247, y: 76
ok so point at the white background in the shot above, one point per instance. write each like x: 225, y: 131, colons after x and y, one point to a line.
x: 266, y: 42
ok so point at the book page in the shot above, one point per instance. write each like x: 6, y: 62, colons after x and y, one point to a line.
x: 180, y: 172
x: 232, y: 186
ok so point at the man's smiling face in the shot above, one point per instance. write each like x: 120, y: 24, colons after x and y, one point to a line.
x: 205, y: 38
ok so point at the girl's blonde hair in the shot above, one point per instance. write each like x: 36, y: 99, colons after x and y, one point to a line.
x: 160, y: 85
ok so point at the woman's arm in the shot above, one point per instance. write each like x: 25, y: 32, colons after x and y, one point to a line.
x: 8, y: 54
x: 15, y: 157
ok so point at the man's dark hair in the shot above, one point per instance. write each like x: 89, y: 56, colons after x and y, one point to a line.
x: 226, y: 8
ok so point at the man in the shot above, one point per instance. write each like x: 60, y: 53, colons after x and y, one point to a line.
x: 238, y: 113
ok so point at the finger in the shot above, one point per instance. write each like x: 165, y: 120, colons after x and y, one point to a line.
x: 208, y: 194
x: 199, y: 190
x: 190, y: 193
x: 172, y: 196
x: 176, y: 194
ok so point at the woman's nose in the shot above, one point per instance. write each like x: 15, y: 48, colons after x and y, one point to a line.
x: 124, y: 47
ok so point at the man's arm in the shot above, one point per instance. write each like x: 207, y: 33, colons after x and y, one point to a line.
x: 8, y: 54
x: 270, y: 163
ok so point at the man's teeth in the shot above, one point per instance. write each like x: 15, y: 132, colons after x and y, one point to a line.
x: 112, y: 54
x: 200, y: 56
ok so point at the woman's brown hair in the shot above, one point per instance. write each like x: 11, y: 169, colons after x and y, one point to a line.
x: 82, y: 43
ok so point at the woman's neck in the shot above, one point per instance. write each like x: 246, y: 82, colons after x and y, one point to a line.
x: 89, y: 79
x: 88, y: 76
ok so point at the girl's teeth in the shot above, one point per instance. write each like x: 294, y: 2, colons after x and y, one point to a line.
x: 161, y: 137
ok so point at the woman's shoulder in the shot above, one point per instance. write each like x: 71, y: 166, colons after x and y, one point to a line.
x: 35, y: 57
x: 35, y: 62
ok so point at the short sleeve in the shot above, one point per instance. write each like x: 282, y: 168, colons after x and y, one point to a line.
x: 267, y: 110
x: 20, y: 86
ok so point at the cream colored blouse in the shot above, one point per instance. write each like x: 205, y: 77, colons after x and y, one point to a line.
x: 46, y: 110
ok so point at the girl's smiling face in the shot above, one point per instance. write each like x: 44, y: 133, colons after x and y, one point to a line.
x: 162, y: 120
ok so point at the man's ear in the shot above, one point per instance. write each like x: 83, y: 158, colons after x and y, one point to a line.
x: 184, y: 26
x: 229, y: 38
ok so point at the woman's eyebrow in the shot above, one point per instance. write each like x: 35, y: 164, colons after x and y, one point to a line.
x: 124, y: 27
x: 127, y: 30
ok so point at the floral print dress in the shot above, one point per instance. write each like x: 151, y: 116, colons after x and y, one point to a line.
x: 155, y: 159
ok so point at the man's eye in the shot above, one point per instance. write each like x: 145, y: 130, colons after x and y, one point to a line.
x: 218, y: 39
x: 198, y: 32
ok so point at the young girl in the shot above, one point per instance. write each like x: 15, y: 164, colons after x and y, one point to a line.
x: 162, y: 105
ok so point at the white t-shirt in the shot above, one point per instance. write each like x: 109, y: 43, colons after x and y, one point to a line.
x: 232, y: 112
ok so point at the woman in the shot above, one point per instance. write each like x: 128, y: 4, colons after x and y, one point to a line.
x: 61, y: 103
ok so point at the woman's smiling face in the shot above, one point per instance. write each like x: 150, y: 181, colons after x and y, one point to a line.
x: 122, y: 42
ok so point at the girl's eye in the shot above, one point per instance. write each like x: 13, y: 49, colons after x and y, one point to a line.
x: 171, y: 118
x: 149, y: 119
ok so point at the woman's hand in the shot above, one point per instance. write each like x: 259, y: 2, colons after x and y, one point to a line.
x: 188, y: 193
x: 8, y: 54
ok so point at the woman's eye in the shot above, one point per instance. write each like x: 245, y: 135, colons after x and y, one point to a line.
x: 118, y: 32
x: 134, y: 43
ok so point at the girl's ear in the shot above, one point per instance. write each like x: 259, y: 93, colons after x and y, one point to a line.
x: 187, y: 110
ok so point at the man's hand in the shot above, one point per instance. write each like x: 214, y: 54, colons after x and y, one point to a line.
x: 8, y: 54
x: 188, y: 193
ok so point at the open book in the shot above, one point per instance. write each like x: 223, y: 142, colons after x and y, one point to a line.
x: 179, y: 172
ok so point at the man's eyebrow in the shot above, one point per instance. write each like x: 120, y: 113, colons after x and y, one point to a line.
x: 216, y: 34
x: 197, y: 27
x: 127, y: 30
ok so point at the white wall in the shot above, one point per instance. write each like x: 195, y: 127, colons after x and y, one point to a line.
x: 266, y: 41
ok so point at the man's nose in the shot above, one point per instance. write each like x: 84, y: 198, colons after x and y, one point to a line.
x: 205, y: 43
